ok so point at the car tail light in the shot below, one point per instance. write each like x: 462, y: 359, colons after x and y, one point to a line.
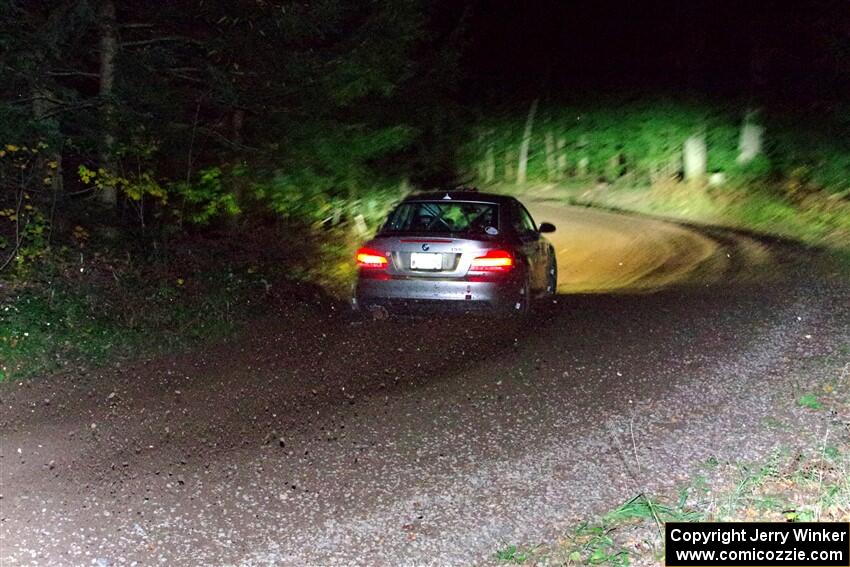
x: 371, y: 259
x: 493, y: 261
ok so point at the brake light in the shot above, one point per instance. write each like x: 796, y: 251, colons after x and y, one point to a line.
x: 371, y: 259
x: 493, y: 261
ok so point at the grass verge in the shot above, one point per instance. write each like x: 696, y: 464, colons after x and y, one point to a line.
x: 791, y: 485
x: 816, y: 218
x: 87, y: 306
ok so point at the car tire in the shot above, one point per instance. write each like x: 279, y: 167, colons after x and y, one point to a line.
x: 377, y: 312
x: 365, y: 311
x: 552, y: 277
x: 520, y: 304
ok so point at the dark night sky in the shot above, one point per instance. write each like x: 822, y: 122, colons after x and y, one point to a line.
x: 774, y: 49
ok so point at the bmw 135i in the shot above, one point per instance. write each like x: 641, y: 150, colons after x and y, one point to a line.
x: 460, y: 249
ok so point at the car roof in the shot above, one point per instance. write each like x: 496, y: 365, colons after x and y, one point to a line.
x: 462, y: 195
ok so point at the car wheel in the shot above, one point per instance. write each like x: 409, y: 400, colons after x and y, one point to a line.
x: 377, y: 312
x: 552, y: 277
x: 365, y: 311
x: 521, y: 304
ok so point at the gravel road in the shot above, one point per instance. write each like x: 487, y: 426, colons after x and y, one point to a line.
x: 312, y: 439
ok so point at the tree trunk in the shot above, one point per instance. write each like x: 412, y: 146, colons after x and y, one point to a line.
x: 237, y: 122
x: 562, y: 157
x: 695, y: 157
x: 108, y: 50
x: 750, y: 140
x: 551, y: 160
x: 482, y: 162
x: 509, y: 167
x: 489, y: 160
x: 522, y: 163
x: 583, y: 167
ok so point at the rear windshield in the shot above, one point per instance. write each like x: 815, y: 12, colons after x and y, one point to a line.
x: 444, y: 216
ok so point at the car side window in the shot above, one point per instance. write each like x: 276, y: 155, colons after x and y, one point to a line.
x: 523, y: 224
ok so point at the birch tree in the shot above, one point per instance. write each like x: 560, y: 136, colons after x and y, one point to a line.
x: 108, y: 51
x: 522, y: 161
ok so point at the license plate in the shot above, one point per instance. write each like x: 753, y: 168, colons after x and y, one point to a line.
x: 426, y: 261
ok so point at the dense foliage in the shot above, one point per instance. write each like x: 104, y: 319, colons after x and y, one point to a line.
x: 190, y: 112
x: 639, y: 142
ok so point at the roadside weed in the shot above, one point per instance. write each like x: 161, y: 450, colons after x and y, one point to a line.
x: 809, y: 401
x: 792, y: 484
x: 512, y: 554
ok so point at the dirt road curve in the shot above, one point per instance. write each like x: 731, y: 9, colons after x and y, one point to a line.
x: 600, y: 251
x: 314, y: 440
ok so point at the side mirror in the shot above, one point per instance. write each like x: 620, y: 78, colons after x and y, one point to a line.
x: 546, y: 227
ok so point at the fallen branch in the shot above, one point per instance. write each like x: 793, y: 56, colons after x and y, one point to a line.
x: 144, y: 42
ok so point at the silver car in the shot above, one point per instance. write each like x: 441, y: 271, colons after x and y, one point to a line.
x: 459, y: 249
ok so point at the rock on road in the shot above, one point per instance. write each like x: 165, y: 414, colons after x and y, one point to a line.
x: 312, y: 439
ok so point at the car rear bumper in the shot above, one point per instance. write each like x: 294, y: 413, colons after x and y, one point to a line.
x: 424, y: 291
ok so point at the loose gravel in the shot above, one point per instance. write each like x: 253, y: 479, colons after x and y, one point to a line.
x: 317, y: 440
